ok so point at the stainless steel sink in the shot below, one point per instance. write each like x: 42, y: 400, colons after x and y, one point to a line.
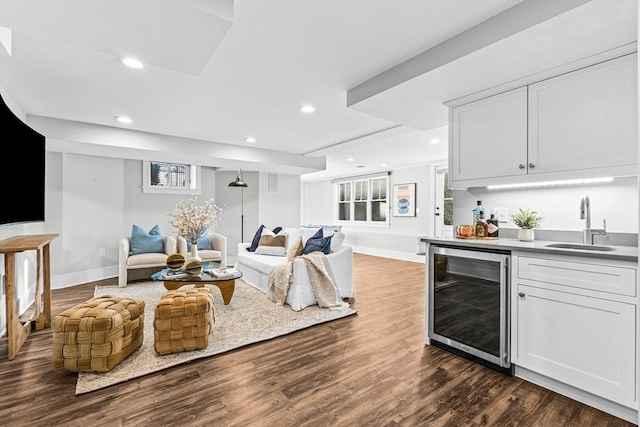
x: 580, y: 247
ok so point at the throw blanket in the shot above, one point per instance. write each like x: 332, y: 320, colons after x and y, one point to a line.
x: 320, y: 274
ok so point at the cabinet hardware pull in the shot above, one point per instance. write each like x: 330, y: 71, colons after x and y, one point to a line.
x: 521, y: 294
x: 521, y: 166
x: 531, y: 165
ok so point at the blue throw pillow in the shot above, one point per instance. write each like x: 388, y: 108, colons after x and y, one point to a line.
x: 322, y: 244
x: 204, y: 244
x: 277, y: 230
x: 144, y: 243
x: 256, y: 240
x: 318, y: 235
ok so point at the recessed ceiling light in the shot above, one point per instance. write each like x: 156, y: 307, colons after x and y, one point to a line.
x: 307, y: 108
x: 360, y: 166
x: 435, y: 141
x: 350, y: 159
x: 123, y: 119
x: 383, y: 165
x: 132, y: 62
x: 250, y: 139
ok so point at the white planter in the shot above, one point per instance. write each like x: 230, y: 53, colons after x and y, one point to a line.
x: 525, y: 235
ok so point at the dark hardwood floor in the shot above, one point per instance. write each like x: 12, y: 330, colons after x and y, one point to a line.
x: 371, y: 369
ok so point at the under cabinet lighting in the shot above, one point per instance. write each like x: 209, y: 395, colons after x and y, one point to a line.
x: 551, y: 183
x: 132, y: 62
x: 123, y: 119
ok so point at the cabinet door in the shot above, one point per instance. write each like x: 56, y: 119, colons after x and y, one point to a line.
x: 586, y: 342
x: 489, y: 137
x: 585, y: 119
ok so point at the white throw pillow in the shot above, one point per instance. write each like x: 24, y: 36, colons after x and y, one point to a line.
x: 293, y: 234
x: 336, y: 241
x: 271, y: 250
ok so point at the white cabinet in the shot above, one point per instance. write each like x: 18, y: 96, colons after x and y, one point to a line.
x: 580, y: 124
x: 489, y: 137
x: 586, y: 119
x: 574, y: 320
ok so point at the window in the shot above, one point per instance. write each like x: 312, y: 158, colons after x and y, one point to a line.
x: 363, y: 201
x: 170, y: 178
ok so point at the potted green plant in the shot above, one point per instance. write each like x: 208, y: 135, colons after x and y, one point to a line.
x: 526, y: 220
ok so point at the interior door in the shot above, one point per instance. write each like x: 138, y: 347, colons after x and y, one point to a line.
x: 443, y: 224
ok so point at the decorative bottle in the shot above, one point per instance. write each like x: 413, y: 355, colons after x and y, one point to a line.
x: 476, y: 212
x: 492, y: 227
x: 481, y: 226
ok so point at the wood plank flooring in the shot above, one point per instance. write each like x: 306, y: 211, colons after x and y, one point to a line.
x: 371, y: 369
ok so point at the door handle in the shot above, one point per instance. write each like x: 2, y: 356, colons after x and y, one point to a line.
x: 532, y: 165
x: 521, y: 294
x: 437, y: 214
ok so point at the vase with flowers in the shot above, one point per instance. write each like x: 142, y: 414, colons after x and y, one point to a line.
x: 191, y: 221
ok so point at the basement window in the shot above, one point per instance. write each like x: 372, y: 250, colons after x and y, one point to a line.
x: 170, y: 178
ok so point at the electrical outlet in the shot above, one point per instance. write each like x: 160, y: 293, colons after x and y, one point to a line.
x: 502, y: 214
x: 103, y: 252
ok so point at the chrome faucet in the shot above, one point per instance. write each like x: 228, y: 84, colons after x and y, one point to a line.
x: 585, y: 213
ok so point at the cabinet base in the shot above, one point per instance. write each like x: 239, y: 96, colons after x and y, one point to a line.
x: 506, y: 371
x: 605, y: 405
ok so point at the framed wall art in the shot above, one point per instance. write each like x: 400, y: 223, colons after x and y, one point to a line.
x: 404, y: 199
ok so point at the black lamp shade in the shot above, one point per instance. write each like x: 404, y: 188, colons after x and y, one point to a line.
x: 239, y: 182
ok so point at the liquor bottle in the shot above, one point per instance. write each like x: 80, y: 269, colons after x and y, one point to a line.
x: 481, y: 226
x: 492, y: 227
x: 476, y: 212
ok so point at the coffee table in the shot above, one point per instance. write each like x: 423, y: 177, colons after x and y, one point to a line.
x: 225, y: 284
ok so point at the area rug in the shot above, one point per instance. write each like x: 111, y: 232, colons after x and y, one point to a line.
x: 250, y: 318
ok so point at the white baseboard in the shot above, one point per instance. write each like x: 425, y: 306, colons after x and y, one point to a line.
x: 387, y: 253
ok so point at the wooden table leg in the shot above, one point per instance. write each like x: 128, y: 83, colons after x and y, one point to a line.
x: 226, y: 289
x: 16, y: 332
x: 46, y: 270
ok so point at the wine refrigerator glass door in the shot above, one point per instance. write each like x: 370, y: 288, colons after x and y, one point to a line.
x: 467, y: 307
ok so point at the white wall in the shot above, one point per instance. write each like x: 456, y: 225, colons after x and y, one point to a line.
x: 399, y: 240
x: 616, y: 202
x: 279, y: 206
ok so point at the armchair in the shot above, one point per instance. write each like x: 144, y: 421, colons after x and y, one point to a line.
x: 127, y: 262
x: 217, y: 253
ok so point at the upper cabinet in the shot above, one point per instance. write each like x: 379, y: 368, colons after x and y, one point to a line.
x: 580, y: 124
x: 489, y: 137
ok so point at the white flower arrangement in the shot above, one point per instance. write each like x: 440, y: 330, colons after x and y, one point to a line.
x: 191, y: 221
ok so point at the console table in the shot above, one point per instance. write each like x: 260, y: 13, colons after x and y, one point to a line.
x: 18, y: 330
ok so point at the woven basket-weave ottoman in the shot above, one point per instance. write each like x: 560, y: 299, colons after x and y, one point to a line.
x: 98, y: 334
x: 183, y: 320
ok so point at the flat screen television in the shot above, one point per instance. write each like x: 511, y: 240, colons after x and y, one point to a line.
x: 23, y: 171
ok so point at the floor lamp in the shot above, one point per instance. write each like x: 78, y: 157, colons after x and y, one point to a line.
x: 239, y: 182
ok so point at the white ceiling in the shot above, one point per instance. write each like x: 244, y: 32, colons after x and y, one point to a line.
x: 220, y: 71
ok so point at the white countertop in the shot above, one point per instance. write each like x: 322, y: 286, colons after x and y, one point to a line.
x: 624, y: 253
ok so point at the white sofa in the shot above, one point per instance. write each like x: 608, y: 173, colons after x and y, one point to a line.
x: 255, y: 270
x: 128, y: 262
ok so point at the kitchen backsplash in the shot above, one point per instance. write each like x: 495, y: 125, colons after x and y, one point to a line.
x: 615, y: 202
